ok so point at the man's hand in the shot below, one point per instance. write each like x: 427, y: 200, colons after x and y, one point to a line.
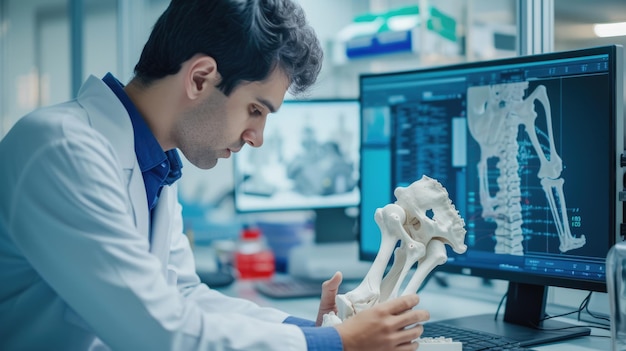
x: 391, y: 325
x: 329, y: 292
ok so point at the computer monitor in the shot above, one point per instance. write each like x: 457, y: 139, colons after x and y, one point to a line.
x: 529, y: 150
x: 309, y: 161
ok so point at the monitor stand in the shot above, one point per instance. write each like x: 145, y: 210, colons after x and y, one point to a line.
x: 333, y: 225
x: 524, y: 311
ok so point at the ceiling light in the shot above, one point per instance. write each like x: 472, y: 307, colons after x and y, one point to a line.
x: 610, y: 29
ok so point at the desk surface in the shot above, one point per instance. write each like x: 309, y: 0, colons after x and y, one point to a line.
x: 442, y: 303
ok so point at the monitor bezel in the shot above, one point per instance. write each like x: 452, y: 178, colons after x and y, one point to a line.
x: 616, y: 62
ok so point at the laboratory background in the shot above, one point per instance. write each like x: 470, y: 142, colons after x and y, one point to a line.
x: 49, y: 47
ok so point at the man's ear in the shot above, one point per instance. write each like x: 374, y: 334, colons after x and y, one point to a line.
x: 202, y: 76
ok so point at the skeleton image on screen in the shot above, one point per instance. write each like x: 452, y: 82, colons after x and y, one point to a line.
x: 309, y: 160
x: 422, y: 220
x: 495, y: 114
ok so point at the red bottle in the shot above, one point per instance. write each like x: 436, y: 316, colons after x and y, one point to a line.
x: 253, y: 259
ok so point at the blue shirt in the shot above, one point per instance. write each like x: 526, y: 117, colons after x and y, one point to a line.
x: 160, y: 168
x: 317, y: 338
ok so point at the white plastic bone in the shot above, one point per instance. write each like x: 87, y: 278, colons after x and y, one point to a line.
x: 435, y: 256
x: 422, y: 240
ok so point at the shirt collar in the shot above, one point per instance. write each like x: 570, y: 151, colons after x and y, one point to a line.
x: 149, y: 152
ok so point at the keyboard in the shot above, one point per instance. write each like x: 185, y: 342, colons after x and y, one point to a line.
x: 289, y: 288
x: 286, y: 287
x: 472, y: 340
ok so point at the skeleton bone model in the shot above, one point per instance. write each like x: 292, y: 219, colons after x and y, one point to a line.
x: 494, y: 114
x: 422, y: 240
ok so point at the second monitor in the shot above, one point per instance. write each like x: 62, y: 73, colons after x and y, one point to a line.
x: 309, y: 161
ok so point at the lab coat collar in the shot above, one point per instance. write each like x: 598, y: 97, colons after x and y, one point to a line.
x: 108, y: 115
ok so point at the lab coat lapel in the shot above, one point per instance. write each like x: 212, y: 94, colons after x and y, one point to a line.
x: 160, y: 232
x: 108, y: 116
x: 138, y: 199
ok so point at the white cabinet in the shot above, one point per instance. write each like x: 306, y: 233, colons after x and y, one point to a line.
x: 481, y: 29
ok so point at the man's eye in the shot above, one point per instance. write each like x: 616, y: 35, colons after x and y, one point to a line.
x: 256, y: 112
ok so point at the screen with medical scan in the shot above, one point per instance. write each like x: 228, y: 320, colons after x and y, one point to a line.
x: 528, y: 149
x: 309, y: 159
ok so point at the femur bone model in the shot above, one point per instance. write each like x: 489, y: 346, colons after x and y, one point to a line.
x: 423, y: 220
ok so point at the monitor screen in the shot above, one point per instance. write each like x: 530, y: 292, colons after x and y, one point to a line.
x: 309, y: 159
x: 529, y: 151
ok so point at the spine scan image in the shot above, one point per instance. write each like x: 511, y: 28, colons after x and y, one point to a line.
x: 505, y: 120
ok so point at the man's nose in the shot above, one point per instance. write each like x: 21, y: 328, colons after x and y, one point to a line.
x: 254, y: 136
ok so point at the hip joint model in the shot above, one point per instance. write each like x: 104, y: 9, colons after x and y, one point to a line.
x: 423, y: 220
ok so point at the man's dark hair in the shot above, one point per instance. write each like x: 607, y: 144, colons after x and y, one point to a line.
x: 247, y: 38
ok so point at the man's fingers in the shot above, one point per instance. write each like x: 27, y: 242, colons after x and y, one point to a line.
x: 405, y: 316
x: 329, y: 291
x: 412, y: 316
x: 327, y: 301
x: 407, y: 336
x: 402, y: 304
x: 332, y: 284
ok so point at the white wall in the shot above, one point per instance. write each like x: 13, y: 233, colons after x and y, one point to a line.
x: 19, y: 84
x: 36, y: 52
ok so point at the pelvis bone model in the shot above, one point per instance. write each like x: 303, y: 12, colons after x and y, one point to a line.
x: 423, y: 220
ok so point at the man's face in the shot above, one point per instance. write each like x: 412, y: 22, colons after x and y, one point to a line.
x: 218, y: 124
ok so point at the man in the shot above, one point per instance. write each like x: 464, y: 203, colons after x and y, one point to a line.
x: 92, y: 254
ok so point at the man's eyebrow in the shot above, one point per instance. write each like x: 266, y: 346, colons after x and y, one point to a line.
x: 268, y: 105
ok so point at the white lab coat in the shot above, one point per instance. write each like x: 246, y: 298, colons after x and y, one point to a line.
x: 80, y: 264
